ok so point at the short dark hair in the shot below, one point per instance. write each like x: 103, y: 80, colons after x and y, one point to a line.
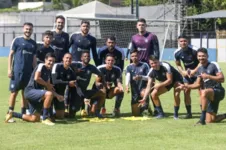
x: 85, y: 51
x: 60, y: 17
x: 203, y: 50
x: 85, y: 21
x: 48, y: 32
x: 153, y: 58
x: 50, y: 55
x: 68, y: 54
x: 110, y: 55
x: 141, y: 20
x: 182, y: 36
x: 133, y: 51
x: 28, y: 24
x: 112, y: 38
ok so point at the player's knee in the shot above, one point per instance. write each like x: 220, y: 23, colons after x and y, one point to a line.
x: 34, y: 118
x: 154, y: 94
x: 49, y: 94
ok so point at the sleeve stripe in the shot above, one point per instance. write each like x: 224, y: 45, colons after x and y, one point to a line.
x: 167, y: 66
x: 39, y: 69
x: 217, y: 65
x: 54, y: 68
x: 149, y: 71
x: 11, y: 46
x: 101, y: 66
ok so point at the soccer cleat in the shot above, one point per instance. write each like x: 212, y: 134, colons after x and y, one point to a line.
x: 103, y: 111
x: 175, y: 117
x: 116, y: 113
x: 155, y: 113
x: 188, y: 116
x: 9, y: 117
x: 160, y: 116
x: 200, y: 123
x: 48, y: 122
x: 84, y: 113
x: 145, y: 113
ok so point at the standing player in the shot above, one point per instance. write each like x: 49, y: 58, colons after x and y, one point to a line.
x: 145, y: 42
x: 62, y: 76
x: 82, y: 42
x: 22, y: 60
x: 60, y: 39
x: 169, y: 77
x: 44, y: 48
x: 188, y: 55
x: 111, y: 48
x: 136, y: 74
x: 112, y: 75
x: 39, y: 93
x: 212, y: 91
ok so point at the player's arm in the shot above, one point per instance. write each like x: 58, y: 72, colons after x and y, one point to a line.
x: 10, y: 62
x: 181, y: 69
x: 67, y: 44
x: 155, y: 46
x: 70, y: 41
x: 218, y: 78
x: 195, y: 85
x: 127, y: 82
x: 94, y: 52
x: 34, y: 61
x: 168, y: 81
x: 148, y: 88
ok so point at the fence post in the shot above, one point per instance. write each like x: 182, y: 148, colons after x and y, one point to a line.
x: 3, y: 39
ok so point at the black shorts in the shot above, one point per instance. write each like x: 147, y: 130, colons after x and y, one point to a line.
x: 18, y: 82
x: 34, y: 97
x: 57, y: 104
x: 213, y: 106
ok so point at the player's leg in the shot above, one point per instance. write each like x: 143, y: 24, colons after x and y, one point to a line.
x: 24, y: 103
x: 187, y: 97
x: 59, y: 109
x: 155, y: 97
x: 176, y: 100
x: 100, y: 97
x: 47, y: 101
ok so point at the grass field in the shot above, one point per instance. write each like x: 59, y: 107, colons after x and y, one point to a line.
x: 119, y: 135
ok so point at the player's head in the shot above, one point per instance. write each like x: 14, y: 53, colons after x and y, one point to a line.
x: 85, y: 57
x: 28, y: 29
x: 202, y: 55
x: 110, y: 42
x: 60, y: 22
x: 141, y: 25
x: 183, y: 41
x: 110, y: 60
x: 67, y: 59
x: 50, y: 60
x: 47, y: 37
x: 154, y: 62
x: 85, y: 26
x: 134, y: 56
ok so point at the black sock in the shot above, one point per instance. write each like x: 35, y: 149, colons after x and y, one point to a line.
x: 51, y: 112
x: 17, y: 115
x: 159, y: 109
x: 97, y: 111
x: 118, y: 100
x: 11, y: 108
x: 188, y: 108
x: 45, y: 113
x: 23, y: 110
x: 176, y: 109
x: 224, y: 115
x: 203, y: 116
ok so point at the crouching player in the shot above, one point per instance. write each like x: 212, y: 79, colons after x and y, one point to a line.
x: 39, y: 93
x: 168, y: 77
x: 94, y: 97
x: 212, y: 92
x: 136, y: 76
x: 112, y: 75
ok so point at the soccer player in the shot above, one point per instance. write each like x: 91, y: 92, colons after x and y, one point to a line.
x: 60, y: 41
x: 39, y: 93
x: 168, y: 77
x: 111, y: 48
x: 84, y: 71
x: 82, y: 42
x: 209, y: 79
x: 22, y: 60
x: 112, y: 75
x: 62, y: 76
x: 145, y: 42
x: 136, y: 76
x: 188, y: 55
x: 44, y: 48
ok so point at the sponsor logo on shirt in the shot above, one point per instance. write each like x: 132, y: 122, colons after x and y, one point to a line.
x: 141, y: 49
x: 27, y: 52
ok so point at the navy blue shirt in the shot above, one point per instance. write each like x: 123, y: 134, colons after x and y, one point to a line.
x: 112, y: 76
x: 188, y: 57
x: 84, y: 73
x: 139, y: 69
x: 117, y: 53
x: 42, y: 51
x: 24, y: 51
x: 45, y: 75
x: 160, y: 74
x: 212, y: 68
x: 80, y: 43
x: 60, y: 45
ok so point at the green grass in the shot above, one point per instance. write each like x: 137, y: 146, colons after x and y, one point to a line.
x: 120, y: 134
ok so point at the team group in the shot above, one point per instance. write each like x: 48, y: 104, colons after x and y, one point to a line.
x: 50, y: 78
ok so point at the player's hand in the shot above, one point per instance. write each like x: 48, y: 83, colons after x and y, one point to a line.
x: 137, y: 77
x: 99, y: 85
x: 127, y: 89
x: 204, y: 76
x: 108, y: 85
x: 50, y: 87
x: 72, y: 83
x: 185, y: 73
x: 10, y: 74
x: 192, y: 73
x: 87, y: 102
x: 60, y: 98
x: 142, y: 103
x: 120, y: 88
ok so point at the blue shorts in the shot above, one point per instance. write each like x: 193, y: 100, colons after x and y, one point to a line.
x: 213, y: 106
x: 34, y: 97
x: 189, y: 80
x: 18, y: 82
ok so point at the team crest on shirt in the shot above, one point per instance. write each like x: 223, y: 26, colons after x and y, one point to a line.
x: 146, y: 40
x: 141, y: 69
x: 68, y: 76
x: 113, y: 76
x: 12, y: 86
x: 88, y: 72
x: 163, y: 73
